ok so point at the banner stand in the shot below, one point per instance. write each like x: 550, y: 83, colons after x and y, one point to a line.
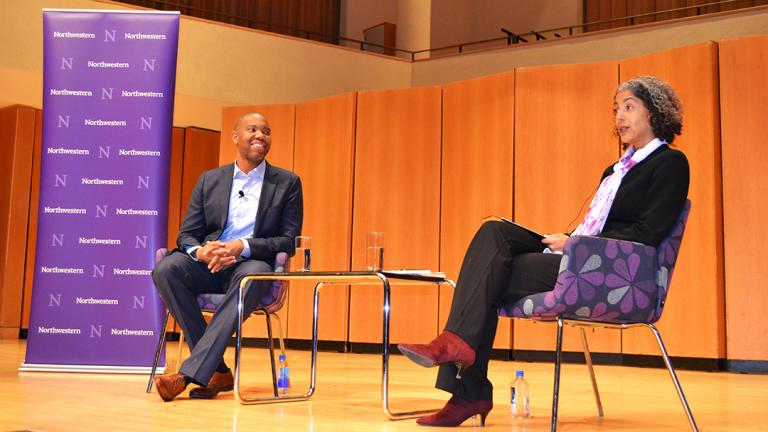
x: 142, y: 370
x: 108, y: 93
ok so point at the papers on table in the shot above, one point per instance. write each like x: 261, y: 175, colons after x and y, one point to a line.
x: 414, y: 273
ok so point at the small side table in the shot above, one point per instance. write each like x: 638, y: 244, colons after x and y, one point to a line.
x: 337, y: 278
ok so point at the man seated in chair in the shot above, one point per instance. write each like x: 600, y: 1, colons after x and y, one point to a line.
x: 239, y: 217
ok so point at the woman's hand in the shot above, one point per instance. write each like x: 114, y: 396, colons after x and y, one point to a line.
x: 555, y: 242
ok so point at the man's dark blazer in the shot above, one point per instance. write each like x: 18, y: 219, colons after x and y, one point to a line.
x: 278, y: 219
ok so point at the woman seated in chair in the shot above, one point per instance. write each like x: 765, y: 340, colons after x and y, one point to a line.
x: 639, y: 199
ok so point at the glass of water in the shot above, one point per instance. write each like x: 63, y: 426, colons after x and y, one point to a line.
x: 303, y: 258
x: 374, y: 253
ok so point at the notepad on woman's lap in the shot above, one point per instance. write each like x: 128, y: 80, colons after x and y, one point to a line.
x: 526, y: 229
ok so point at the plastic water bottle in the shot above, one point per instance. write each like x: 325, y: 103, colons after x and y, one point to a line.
x: 521, y: 407
x: 283, y: 377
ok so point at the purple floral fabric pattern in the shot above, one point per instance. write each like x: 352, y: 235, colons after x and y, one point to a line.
x: 607, y: 280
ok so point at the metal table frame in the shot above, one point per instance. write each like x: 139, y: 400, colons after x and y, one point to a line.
x: 335, y: 278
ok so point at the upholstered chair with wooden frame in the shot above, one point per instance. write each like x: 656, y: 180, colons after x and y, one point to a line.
x: 607, y: 283
x: 268, y: 306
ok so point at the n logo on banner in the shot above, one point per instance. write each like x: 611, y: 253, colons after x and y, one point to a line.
x: 96, y: 331
x: 98, y: 271
x: 109, y: 35
x: 63, y: 121
x: 57, y: 240
x: 104, y: 152
x: 66, y: 63
x: 54, y: 298
x: 138, y: 302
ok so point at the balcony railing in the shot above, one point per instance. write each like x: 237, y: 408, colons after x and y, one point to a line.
x: 509, y: 39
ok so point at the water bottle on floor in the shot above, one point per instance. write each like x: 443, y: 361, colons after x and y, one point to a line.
x: 521, y: 407
x: 283, y: 377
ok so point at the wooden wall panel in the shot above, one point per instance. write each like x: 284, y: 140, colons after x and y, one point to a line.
x: 637, y: 7
x: 477, y: 162
x: 31, y: 234
x: 282, y: 120
x: 667, y: 5
x: 397, y: 191
x: 563, y: 142
x: 597, y: 10
x: 175, y: 210
x: 720, y: 8
x: 324, y: 158
x: 693, y: 320
x: 743, y: 95
x: 17, y: 137
x: 605, y: 10
x: 618, y: 10
x: 201, y: 153
x: 197, y: 153
x: 703, y: 9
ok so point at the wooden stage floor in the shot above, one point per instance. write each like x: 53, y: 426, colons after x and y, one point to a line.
x: 348, y: 398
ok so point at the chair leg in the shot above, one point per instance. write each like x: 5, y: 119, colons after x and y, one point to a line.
x: 270, y: 343
x: 588, y: 358
x: 160, y: 343
x: 181, y: 345
x: 674, y: 377
x: 558, y: 360
x: 280, y: 334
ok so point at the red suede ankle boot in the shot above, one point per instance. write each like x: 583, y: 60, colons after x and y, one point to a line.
x: 456, y: 411
x: 446, y: 348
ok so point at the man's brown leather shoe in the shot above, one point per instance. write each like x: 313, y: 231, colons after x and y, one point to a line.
x: 220, y: 382
x: 169, y: 386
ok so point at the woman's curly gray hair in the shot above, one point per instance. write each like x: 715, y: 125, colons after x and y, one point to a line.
x: 661, y: 101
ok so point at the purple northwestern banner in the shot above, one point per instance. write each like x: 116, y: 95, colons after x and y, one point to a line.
x: 108, y: 84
